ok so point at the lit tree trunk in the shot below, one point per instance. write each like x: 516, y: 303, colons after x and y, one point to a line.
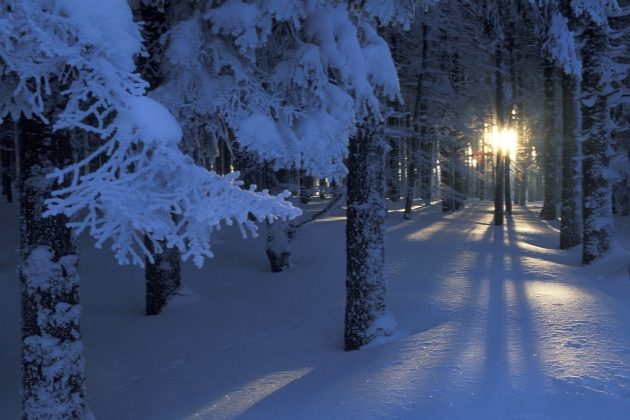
x: 549, y: 146
x: 596, y: 208
x: 366, y: 313
x: 569, y: 213
x: 52, y: 361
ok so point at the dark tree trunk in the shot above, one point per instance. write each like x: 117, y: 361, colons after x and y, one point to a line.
x: 596, y: 208
x: 549, y: 146
x: 366, y: 316
x: 393, y: 178
x: 482, y: 175
x: 420, y: 132
x: 163, y: 277
x: 498, y: 191
x: 508, y: 193
x: 500, y: 109
x: 412, y: 176
x: 517, y: 114
x: 569, y: 214
x: 7, y: 134
x: 526, y: 162
x: 52, y: 360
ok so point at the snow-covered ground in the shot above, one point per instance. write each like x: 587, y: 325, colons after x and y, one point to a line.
x: 494, y: 323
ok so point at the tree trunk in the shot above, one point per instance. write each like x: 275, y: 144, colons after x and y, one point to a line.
x: 514, y: 124
x: 508, y: 193
x: 163, y: 277
x: 278, y: 245
x: 420, y: 132
x: 525, y: 163
x: 549, y: 146
x: 569, y: 213
x: 412, y: 176
x: 6, y: 156
x: 366, y: 316
x: 498, y: 191
x: 500, y: 109
x: 596, y: 208
x: 52, y: 360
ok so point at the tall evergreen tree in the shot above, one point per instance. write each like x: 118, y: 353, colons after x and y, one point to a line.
x: 570, y: 230
x: 597, y: 190
x: 549, y: 149
x: 162, y: 271
x: 52, y: 357
x: 367, y: 316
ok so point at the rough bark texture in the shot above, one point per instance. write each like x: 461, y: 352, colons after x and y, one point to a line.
x: 569, y: 212
x: 549, y: 146
x: 596, y: 210
x: 163, y: 277
x: 52, y: 361
x: 366, y: 313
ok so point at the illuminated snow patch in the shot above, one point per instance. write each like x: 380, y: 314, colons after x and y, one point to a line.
x: 237, y: 402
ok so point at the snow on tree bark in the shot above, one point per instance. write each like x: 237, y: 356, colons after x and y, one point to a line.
x: 596, y: 207
x: 278, y: 241
x: 52, y: 361
x: 278, y: 246
x: 162, y: 276
x: 367, y: 316
x: 569, y: 212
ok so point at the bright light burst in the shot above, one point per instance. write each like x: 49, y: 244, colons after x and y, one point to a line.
x: 504, y: 141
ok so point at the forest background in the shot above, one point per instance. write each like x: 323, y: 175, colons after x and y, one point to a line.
x: 134, y: 133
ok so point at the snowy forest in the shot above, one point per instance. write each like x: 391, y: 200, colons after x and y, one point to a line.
x: 314, y: 209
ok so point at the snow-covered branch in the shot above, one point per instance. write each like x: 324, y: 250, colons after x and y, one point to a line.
x: 147, y: 185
